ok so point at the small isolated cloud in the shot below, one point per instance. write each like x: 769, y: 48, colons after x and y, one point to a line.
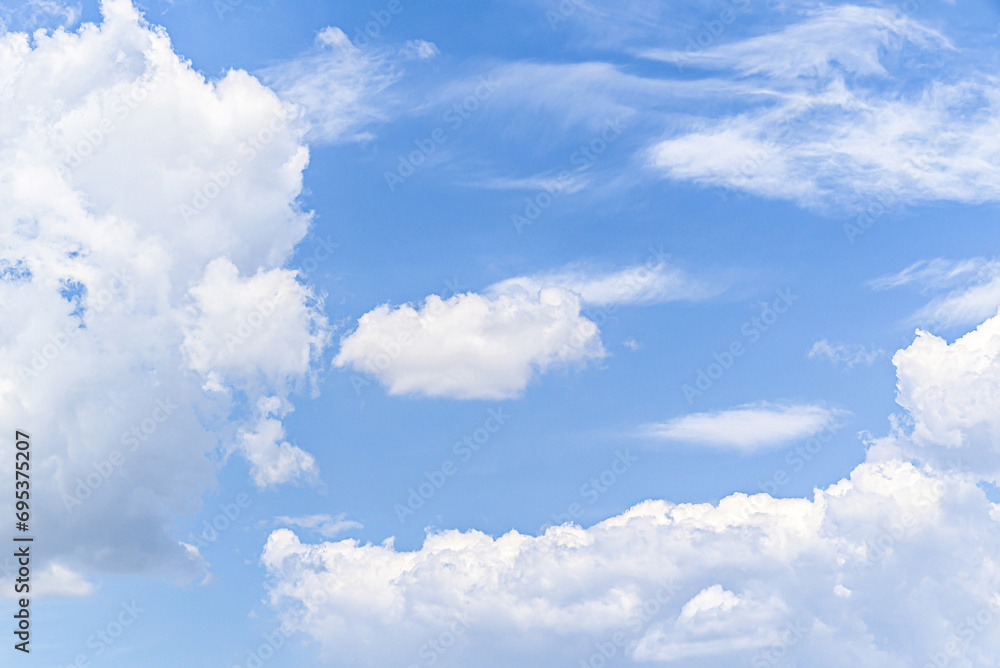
x: 324, y: 525
x: 842, y: 353
x: 471, y: 346
x: 632, y: 344
x: 490, y: 345
x: 745, y: 428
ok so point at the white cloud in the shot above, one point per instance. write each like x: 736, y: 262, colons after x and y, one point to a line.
x: 324, y: 525
x: 887, y: 568
x: 973, y: 290
x: 843, y: 353
x: 746, y: 428
x: 952, y: 394
x: 935, y: 274
x: 689, y: 585
x: 471, y: 346
x: 340, y: 87
x: 847, y: 37
x: 40, y: 15
x: 146, y: 215
x: 272, y: 459
x: 650, y: 283
x: 490, y: 345
x: 57, y: 580
x: 829, y: 118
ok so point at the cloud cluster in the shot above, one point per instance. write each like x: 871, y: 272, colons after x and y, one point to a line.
x: 889, y: 567
x: 146, y: 214
x: 871, y: 571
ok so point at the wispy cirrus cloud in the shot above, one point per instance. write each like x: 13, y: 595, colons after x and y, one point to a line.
x: 971, y: 290
x: 842, y: 353
x: 341, y: 88
x: 326, y: 526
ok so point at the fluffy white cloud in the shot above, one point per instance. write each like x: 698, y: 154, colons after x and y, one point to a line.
x: 745, y: 428
x: 872, y: 571
x: 471, y: 346
x: 478, y: 346
x: 842, y: 353
x: 952, y: 394
x: 145, y: 217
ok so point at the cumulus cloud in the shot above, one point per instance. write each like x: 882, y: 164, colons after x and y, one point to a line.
x: 745, y: 428
x: 490, y: 345
x: 146, y: 215
x: 870, y: 571
x: 950, y: 392
x: 842, y: 353
x: 471, y: 346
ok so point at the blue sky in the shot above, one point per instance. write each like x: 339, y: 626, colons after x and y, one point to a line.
x: 604, y: 211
